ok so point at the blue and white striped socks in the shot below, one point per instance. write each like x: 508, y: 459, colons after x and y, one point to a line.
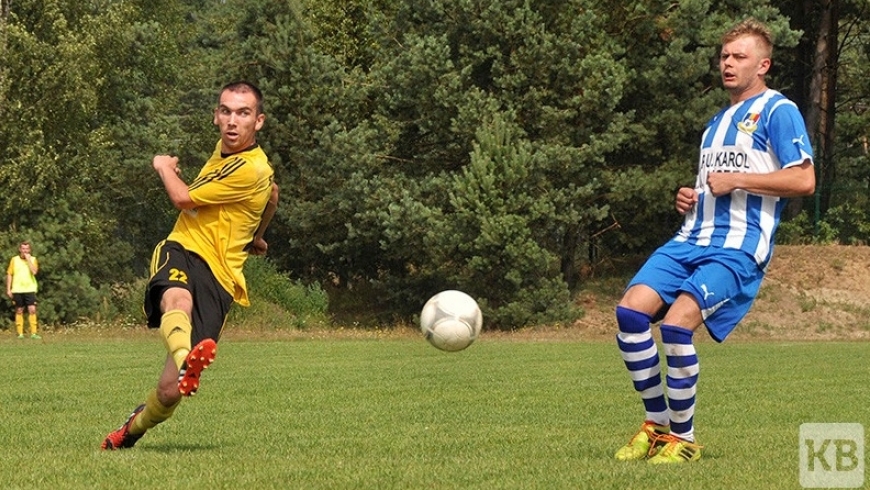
x: 638, y: 349
x: 682, y: 379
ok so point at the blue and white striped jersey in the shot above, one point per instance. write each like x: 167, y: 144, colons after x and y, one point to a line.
x: 759, y: 135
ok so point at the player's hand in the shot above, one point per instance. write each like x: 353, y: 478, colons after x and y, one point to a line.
x: 721, y: 183
x: 258, y: 246
x: 685, y: 200
x: 166, y: 162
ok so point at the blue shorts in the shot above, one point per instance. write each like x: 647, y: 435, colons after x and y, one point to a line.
x: 724, y: 281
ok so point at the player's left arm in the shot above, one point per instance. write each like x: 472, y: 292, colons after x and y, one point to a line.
x: 258, y: 245
x: 789, y: 141
x: 794, y: 181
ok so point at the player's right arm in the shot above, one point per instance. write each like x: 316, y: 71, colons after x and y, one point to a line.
x: 9, y: 280
x: 686, y: 199
x: 167, y: 168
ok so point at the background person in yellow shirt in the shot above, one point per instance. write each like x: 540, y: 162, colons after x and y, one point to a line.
x: 21, y: 287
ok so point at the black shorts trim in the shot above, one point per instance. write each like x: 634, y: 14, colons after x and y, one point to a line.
x: 24, y: 299
x: 174, y: 266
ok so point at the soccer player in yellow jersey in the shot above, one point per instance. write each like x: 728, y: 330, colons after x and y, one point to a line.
x: 196, y: 273
x: 21, y: 286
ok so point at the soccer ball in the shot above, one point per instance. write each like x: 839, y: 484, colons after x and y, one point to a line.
x: 451, y: 320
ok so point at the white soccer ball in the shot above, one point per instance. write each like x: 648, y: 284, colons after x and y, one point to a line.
x: 451, y: 320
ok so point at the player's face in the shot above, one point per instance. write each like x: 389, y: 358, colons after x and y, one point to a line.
x: 236, y: 116
x: 743, y: 67
x: 23, y: 250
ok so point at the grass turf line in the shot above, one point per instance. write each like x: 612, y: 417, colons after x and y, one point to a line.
x: 398, y: 414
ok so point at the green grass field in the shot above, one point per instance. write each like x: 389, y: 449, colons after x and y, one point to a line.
x: 395, y: 413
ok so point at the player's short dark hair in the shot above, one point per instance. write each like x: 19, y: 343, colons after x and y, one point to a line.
x: 243, y: 86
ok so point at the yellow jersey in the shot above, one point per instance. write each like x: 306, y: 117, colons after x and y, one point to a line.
x: 230, y: 193
x: 23, y: 281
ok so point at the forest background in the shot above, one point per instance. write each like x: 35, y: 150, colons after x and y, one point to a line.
x: 512, y: 149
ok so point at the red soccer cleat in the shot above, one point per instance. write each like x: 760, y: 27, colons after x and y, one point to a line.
x: 199, y: 358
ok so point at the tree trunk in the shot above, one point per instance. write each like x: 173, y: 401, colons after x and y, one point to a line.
x: 4, y: 14
x: 821, y: 114
x: 569, y: 257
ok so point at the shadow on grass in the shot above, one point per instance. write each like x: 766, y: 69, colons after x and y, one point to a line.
x: 170, y: 448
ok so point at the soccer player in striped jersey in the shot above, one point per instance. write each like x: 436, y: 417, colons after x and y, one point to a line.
x: 755, y: 153
x: 196, y: 273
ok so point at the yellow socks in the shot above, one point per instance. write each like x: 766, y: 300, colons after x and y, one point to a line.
x: 32, y: 320
x: 175, y: 328
x: 153, y: 414
x: 19, y: 323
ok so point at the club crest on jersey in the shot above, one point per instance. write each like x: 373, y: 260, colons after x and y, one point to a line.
x: 749, y: 123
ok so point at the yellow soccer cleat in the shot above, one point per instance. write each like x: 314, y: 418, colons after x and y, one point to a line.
x: 676, y: 450
x: 644, y: 443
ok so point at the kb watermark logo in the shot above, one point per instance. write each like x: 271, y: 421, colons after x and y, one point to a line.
x: 832, y: 455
